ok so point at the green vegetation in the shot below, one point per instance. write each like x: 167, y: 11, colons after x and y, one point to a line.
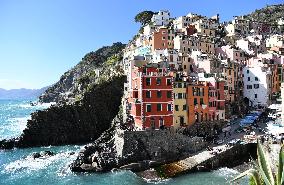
x: 262, y: 174
x: 96, y: 66
x: 268, y: 14
x: 144, y: 17
x: 114, y: 59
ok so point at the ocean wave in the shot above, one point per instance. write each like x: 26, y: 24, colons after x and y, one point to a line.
x: 13, y: 127
x: 226, y: 172
x: 29, y: 164
x: 39, y: 105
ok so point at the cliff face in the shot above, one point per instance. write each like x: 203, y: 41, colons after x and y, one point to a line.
x: 74, y: 82
x: 80, y: 122
x: 88, y: 98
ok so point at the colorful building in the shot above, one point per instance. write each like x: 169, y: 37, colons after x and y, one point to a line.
x: 151, y: 97
x: 197, y: 100
x: 180, y: 102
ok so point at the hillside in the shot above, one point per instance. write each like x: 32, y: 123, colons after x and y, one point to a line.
x: 74, y: 82
x: 267, y: 14
x: 21, y: 93
x: 86, y: 111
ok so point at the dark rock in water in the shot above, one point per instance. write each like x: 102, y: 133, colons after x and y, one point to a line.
x: 47, y: 153
x: 36, y: 155
x: 71, y: 153
x: 8, y: 144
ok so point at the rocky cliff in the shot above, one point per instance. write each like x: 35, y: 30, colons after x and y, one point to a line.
x: 88, y: 98
x: 76, y: 81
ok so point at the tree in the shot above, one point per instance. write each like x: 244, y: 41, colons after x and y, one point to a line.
x: 262, y: 174
x: 144, y: 17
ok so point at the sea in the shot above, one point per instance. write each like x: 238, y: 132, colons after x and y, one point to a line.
x: 17, y: 167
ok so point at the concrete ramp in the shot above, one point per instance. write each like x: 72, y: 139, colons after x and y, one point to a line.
x: 221, y: 156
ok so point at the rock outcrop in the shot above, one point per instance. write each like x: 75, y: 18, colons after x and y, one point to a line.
x: 134, y: 150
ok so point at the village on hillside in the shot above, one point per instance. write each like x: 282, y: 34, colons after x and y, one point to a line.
x: 195, y: 69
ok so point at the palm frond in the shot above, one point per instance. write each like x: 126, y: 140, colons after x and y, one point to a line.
x: 252, y: 173
x: 280, y: 176
x: 264, y: 166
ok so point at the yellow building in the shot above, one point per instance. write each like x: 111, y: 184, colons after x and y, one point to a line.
x: 180, y: 104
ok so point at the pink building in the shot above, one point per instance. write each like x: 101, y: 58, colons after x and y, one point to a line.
x: 231, y: 52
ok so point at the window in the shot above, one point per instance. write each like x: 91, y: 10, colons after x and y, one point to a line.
x: 184, y: 66
x: 195, y: 101
x: 163, y: 38
x: 148, y: 94
x: 135, y: 94
x: 179, y: 95
x: 159, y: 94
x: 247, y: 71
x: 256, y: 86
x: 148, y: 81
x: 169, y: 107
x: 159, y: 107
x: 158, y: 82
x: 169, y: 81
x: 169, y: 94
x: 248, y: 78
x: 255, y: 95
x: 184, y: 107
x: 161, y: 121
x: 201, y: 101
x: 256, y: 78
x: 249, y: 86
x: 176, y: 107
x: 148, y: 108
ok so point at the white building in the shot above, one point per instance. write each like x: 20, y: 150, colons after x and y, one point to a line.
x: 182, y: 22
x: 257, y: 83
x: 161, y: 18
x: 149, y: 29
x: 275, y: 41
x: 238, y: 26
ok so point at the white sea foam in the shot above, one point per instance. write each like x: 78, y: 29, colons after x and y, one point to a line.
x: 39, y: 105
x: 226, y: 172
x: 29, y: 164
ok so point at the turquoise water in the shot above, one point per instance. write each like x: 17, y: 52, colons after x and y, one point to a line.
x: 18, y: 168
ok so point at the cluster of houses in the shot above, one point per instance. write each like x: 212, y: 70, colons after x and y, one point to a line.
x: 195, y: 69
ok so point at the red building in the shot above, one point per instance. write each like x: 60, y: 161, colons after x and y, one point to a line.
x: 216, y: 100
x: 150, y: 97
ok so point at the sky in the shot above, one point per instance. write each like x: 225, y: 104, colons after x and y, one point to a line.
x: 40, y: 40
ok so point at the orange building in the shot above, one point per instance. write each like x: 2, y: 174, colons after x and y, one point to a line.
x: 162, y: 39
x: 198, y: 109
